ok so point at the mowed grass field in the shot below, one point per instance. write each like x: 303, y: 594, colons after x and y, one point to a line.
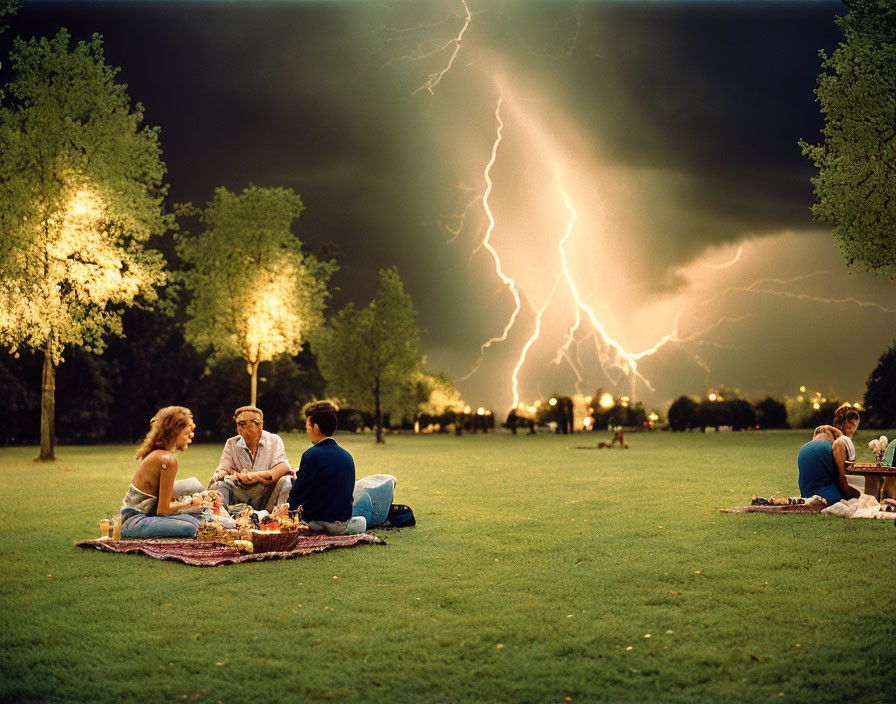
x: 538, y: 572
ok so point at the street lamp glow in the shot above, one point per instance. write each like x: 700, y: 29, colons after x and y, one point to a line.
x: 480, y: 411
x: 537, y: 404
x: 816, y: 405
x: 553, y: 402
x: 588, y: 399
x: 653, y: 417
x: 606, y: 401
x: 466, y: 409
x: 713, y: 396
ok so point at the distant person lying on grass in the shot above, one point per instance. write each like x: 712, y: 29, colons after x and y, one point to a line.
x: 822, y: 463
x: 148, y: 510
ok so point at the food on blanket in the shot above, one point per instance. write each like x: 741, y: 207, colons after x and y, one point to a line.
x: 244, y: 520
x: 213, y: 532
x: 888, y: 505
x: 777, y: 500
x: 244, y: 546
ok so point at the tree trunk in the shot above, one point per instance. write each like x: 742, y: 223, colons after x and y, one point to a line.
x: 379, y: 415
x: 253, y: 370
x: 48, y: 410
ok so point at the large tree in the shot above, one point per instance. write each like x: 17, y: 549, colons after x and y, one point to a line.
x: 369, y: 356
x: 254, y: 293
x: 81, y: 191
x: 856, y: 158
x: 880, y: 391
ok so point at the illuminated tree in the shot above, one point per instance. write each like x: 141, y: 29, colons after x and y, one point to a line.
x: 432, y: 395
x: 369, y: 356
x: 254, y: 293
x: 856, y: 160
x: 81, y: 190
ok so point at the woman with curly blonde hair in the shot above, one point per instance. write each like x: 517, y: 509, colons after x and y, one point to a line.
x: 148, y: 510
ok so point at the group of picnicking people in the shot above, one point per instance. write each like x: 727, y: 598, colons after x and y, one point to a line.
x: 253, y: 470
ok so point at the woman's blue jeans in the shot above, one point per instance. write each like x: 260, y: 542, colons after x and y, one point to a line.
x: 139, y: 525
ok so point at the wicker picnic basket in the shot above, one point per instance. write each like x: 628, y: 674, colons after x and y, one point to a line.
x: 270, y: 541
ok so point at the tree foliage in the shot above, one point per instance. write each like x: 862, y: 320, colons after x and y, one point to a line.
x: 856, y: 159
x: 880, y: 391
x: 253, y: 292
x: 771, y: 413
x: 369, y: 356
x: 683, y: 413
x: 81, y: 191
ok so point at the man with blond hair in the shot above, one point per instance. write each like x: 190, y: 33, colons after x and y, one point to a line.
x: 253, y: 467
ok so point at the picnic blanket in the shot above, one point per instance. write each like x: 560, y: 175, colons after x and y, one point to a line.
x: 865, y: 506
x: 795, y: 508
x: 204, y: 554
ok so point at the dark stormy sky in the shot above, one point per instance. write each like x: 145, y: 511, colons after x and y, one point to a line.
x: 647, y: 190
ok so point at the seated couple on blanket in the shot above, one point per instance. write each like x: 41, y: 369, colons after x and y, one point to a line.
x: 253, y: 470
x: 822, y: 461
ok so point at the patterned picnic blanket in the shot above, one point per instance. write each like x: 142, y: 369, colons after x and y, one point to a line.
x: 795, y: 508
x: 201, y: 554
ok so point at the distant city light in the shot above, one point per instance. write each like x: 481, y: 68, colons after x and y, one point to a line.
x: 816, y: 405
x: 480, y: 411
x: 713, y: 396
x: 653, y: 417
x: 553, y: 402
x: 587, y: 399
x: 537, y: 404
x: 587, y: 422
x: 606, y: 401
x: 802, y: 389
x: 466, y: 409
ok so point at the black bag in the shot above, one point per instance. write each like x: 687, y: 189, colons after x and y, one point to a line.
x: 400, y: 516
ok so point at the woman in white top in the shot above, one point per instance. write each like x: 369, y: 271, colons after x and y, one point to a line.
x: 148, y: 510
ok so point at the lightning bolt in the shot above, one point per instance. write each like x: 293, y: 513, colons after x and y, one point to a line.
x: 486, y: 242
x: 515, y: 376
x: 755, y: 288
x: 725, y: 265
x: 435, y: 78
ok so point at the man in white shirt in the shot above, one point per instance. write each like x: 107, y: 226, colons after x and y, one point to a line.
x: 253, y: 467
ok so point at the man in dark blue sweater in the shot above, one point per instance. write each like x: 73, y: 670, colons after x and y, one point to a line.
x: 326, y: 478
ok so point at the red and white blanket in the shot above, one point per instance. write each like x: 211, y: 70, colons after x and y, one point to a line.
x: 202, y: 554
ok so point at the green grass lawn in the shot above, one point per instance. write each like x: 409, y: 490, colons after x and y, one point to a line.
x: 538, y: 572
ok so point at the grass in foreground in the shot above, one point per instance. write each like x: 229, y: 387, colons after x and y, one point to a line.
x: 538, y: 572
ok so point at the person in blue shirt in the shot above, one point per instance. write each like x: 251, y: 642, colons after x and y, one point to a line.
x: 821, y: 467
x: 326, y: 478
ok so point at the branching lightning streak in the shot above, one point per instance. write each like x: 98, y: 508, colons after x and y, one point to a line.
x: 531, y: 341
x: 815, y: 299
x: 725, y: 265
x: 632, y: 365
x: 459, y: 220
x: 570, y: 336
x: 435, y: 78
x: 753, y: 288
x: 486, y: 242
